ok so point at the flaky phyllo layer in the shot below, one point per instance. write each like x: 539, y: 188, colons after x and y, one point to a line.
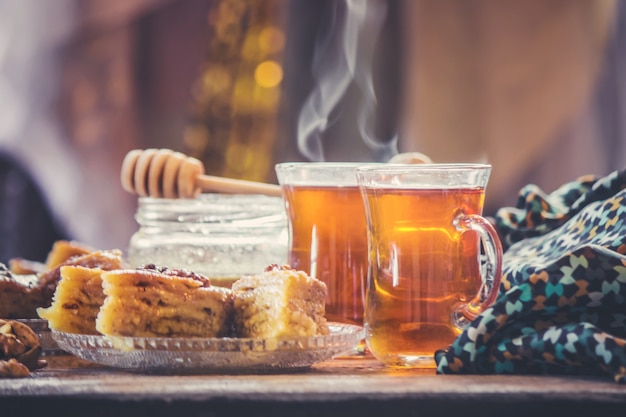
x: 148, y: 303
x: 279, y: 302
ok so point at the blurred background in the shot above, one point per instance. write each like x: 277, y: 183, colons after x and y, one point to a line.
x: 537, y: 88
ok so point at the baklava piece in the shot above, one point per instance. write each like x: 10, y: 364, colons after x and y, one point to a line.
x: 161, y: 302
x: 76, y: 301
x: 280, y: 302
x: 61, y: 251
x: 20, y: 295
x: 107, y: 260
x: 27, y: 285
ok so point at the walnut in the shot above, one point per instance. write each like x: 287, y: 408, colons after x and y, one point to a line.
x: 20, y: 349
x: 13, y: 369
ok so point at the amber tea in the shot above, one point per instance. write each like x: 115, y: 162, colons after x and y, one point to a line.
x: 425, y: 270
x: 329, y: 241
x: 328, y: 231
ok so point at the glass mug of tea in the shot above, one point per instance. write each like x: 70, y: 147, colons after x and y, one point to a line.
x: 427, y: 273
x: 327, y: 231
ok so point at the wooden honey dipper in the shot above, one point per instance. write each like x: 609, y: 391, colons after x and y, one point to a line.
x: 169, y: 174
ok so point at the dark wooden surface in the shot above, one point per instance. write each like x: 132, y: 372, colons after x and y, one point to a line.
x: 352, y: 387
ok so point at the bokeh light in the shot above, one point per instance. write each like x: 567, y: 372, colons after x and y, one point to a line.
x: 268, y: 74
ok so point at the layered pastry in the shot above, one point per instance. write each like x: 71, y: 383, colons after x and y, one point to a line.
x: 61, y: 251
x: 76, y: 301
x: 107, y: 260
x: 280, y: 302
x: 21, y: 295
x: 162, y: 302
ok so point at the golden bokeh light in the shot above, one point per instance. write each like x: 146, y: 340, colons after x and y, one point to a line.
x: 268, y: 74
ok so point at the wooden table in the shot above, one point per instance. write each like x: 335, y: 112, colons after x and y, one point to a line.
x: 343, y: 387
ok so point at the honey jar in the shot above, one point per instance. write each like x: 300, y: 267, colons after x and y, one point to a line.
x: 221, y: 236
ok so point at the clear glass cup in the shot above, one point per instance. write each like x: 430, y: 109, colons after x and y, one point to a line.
x: 327, y: 231
x: 427, y: 274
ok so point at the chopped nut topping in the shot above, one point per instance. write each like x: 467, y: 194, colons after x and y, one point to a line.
x: 183, y: 273
x: 276, y: 267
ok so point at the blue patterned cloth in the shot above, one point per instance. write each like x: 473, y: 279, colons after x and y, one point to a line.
x: 561, y: 307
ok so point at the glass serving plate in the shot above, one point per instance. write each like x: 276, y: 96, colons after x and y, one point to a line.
x: 182, y: 355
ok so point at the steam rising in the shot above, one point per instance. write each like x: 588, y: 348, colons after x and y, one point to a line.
x: 344, y: 55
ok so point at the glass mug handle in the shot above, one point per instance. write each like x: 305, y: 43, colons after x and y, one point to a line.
x: 492, y: 274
